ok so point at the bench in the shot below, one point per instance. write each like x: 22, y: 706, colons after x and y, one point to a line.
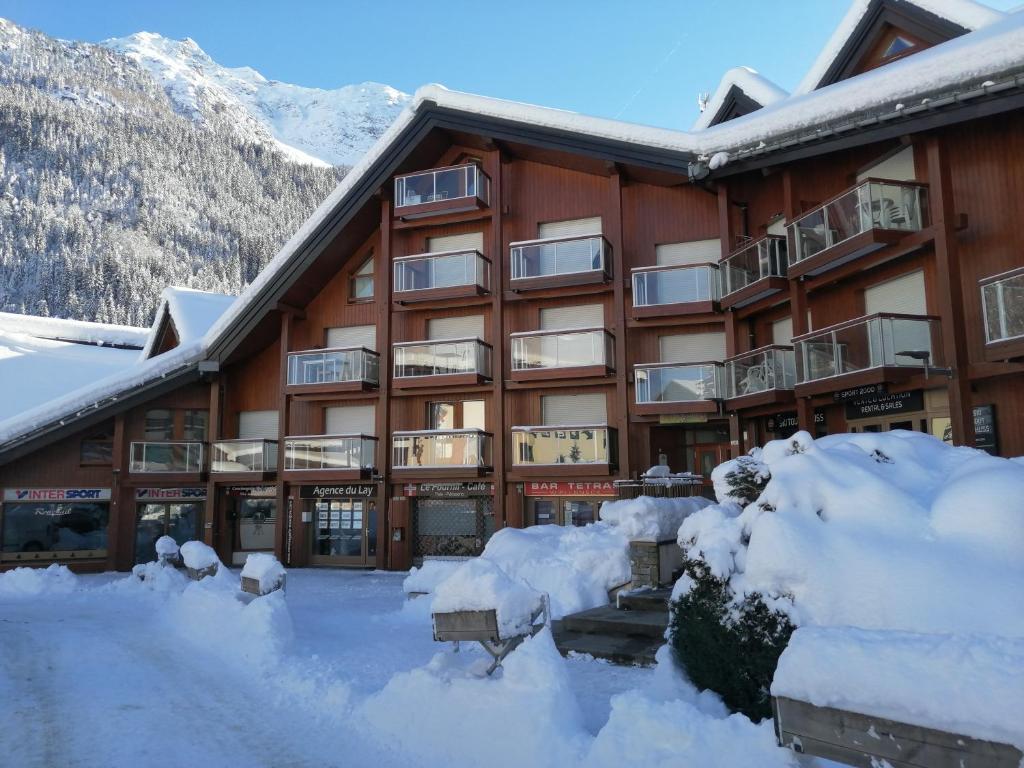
x: 482, y: 627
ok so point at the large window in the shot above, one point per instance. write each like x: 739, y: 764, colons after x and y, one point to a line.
x: 361, y: 285
x: 196, y: 425
x: 55, y: 527
x: 159, y: 424
x: 97, y: 448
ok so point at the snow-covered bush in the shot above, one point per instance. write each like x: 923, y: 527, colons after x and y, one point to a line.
x: 741, y: 479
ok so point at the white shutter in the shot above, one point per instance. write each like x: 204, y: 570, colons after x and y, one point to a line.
x: 782, y: 331
x: 350, y: 420
x: 256, y: 425
x: 694, y: 252
x: 579, y: 316
x: 466, y: 327
x: 692, y: 347
x: 564, y: 410
x: 570, y: 228
x: 904, y: 295
x: 470, y: 241
x: 898, y: 167
x: 352, y: 336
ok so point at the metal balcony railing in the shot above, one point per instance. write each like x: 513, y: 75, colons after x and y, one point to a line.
x: 754, y: 261
x: 582, y: 444
x: 555, y: 257
x: 678, y: 382
x: 451, y: 269
x: 244, y: 456
x: 442, y: 358
x: 654, y: 286
x: 326, y: 452
x: 441, y: 449
x: 454, y: 183
x: 334, y: 366
x: 182, y: 456
x: 760, y: 370
x: 562, y: 349
x: 1002, y: 306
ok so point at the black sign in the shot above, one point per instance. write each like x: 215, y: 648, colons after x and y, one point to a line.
x: 449, y: 490
x: 985, y: 435
x: 901, y: 402
x: 868, y: 391
x: 358, y: 490
x: 782, y: 422
x: 253, y: 491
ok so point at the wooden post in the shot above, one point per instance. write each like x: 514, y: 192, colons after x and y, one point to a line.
x: 122, y: 511
x: 619, y: 321
x: 212, y: 525
x: 382, y: 296
x: 500, y: 342
x: 732, y: 342
x: 283, y: 422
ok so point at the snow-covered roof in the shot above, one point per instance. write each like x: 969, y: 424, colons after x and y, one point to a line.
x: 190, y: 311
x: 964, y: 13
x: 753, y: 84
x: 80, y: 331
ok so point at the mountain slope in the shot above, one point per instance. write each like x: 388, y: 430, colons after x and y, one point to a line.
x: 112, y: 188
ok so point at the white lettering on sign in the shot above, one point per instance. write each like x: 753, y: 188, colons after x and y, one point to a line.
x: 56, y: 494
x: 170, y: 493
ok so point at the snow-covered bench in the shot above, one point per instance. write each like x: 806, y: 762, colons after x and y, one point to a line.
x: 907, y: 700
x: 200, y: 560
x: 262, y: 574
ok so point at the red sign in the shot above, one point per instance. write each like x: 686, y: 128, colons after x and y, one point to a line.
x: 570, y: 488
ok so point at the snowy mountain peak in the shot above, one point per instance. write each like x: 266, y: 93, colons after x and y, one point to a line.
x: 313, y: 125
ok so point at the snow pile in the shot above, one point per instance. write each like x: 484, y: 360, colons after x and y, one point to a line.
x: 153, y: 577
x: 575, y: 566
x: 750, y: 82
x: 191, y: 311
x: 888, y: 531
x: 424, y: 580
x: 166, y: 547
x: 480, y: 585
x: 525, y: 715
x: 266, y: 569
x: 59, y: 329
x: 969, y: 685
x: 29, y: 582
x: 650, y: 518
x: 197, y: 555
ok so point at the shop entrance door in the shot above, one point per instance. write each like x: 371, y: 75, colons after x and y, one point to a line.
x: 181, y: 521
x: 344, y: 532
x: 255, y: 524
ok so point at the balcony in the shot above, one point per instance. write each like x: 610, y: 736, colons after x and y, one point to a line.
x: 872, y: 215
x: 1002, y: 306
x: 244, y: 456
x: 449, y: 275
x: 168, y: 458
x: 760, y: 377
x: 558, y: 262
x: 869, y: 350
x: 754, y: 272
x: 341, y: 457
x: 675, y: 290
x: 678, y: 387
x: 441, y: 363
x: 562, y: 354
x: 564, y: 451
x: 441, y: 452
x: 333, y: 370
x: 455, y: 189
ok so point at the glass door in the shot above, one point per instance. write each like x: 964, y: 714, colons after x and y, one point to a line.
x: 255, y: 526
x: 181, y: 521
x: 342, y: 531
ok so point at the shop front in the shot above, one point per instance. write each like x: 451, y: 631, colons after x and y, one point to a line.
x: 450, y: 519
x: 565, y: 502
x: 252, y: 510
x: 342, y: 521
x: 44, y: 524
x: 175, y: 512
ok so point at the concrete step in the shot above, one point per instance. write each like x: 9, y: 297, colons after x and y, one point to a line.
x: 608, y: 620
x: 631, y: 651
x: 645, y: 599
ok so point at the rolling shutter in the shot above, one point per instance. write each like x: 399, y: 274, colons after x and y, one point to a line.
x: 904, y: 295
x: 350, y: 420
x: 782, y: 331
x: 692, y: 347
x: 898, y: 167
x: 694, y: 252
x: 564, y: 410
x: 466, y: 327
x: 257, y: 425
x: 469, y: 241
x: 352, y: 336
x: 579, y: 316
x: 570, y: 228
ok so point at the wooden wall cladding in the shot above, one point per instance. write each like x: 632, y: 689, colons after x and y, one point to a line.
x: 251, y: 385
x: 56, y: 466
x: 195, y: 396
x: 654, y: 216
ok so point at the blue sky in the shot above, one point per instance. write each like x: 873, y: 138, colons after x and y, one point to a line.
x: 639, y: 61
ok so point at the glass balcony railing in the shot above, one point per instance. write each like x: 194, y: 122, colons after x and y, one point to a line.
x: 754, y: 261
x: 761, y: 370
x: 875, y: 341
x: 334, y: 366
x: 168, y: 456
x: 678, y: 382
x: 441, y: 449
x: 244, y: 456
x: 455, y: 183
x: 442, y: 358
x: 341, y: 452
x: 871, y: 204
x: 560, y: 257
x: 562, y: 349
x: 430, y: 271
x: 654, y: 286
x: 552, y: 446
x: 1002, y: 303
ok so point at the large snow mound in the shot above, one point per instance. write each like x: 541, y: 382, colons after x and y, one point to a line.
x: 649, y: 517
x: 480, y: 585
x: 424, y: 580
x: 29, y: 582
x: 886, y: 531
x: 969, y: 685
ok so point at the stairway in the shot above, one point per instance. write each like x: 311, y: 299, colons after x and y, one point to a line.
x: 629, y: 634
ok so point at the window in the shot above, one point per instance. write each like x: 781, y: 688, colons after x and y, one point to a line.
x: 361, y: 287
x: 898, y: 45
x: 196, y: 423
x: 462, y: 414
x: 55, y: 527
x: 97, y: 449
x: 159, y: 424
x: 442, y: 415
x: 472, y: 414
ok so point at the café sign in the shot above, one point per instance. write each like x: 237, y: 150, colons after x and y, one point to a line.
x: 568, y: 488
x: 57, y: 494
x: 351, y: 490
x: 146, y: 494
x: 449, y: 490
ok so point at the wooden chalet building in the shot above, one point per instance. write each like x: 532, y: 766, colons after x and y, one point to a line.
x: 505, y: 308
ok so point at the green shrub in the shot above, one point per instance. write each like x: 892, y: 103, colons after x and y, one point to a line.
x: 746, y: 480
x: 727, y: 646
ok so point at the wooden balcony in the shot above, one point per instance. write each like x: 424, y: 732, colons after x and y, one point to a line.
x: 325, y: 458
x: 665, y: 291
x: 443, y: 363
x: 453, y: 189
x: 438, y: 276
x: 662, y: 388
x: 765, y: 376
x: 754, y: 272
x: 560, y: 262
x: 441, y: 453
x: 564, y: 451
x: 569, y: 354
x: 331, y: 371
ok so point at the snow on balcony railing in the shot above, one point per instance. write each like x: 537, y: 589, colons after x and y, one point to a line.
x: 678, y: 382
x: 760, y: 370
x: 562, y: 349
